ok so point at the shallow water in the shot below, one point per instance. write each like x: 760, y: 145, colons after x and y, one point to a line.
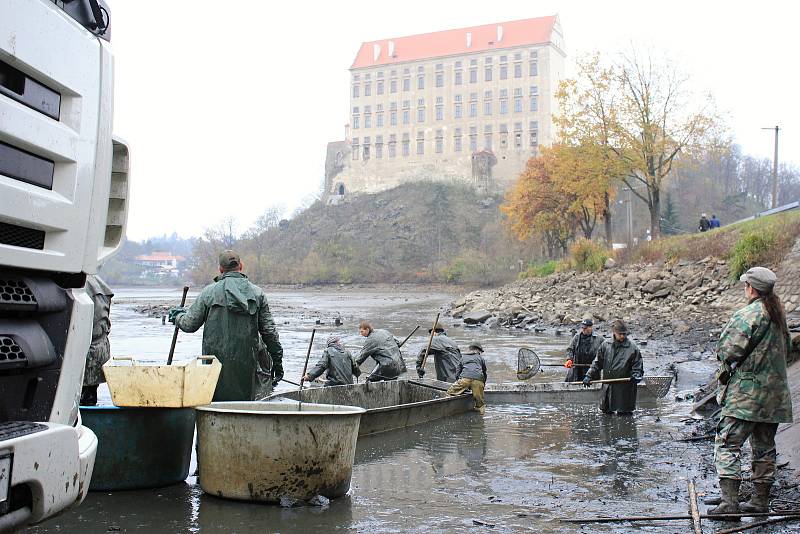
x: 519, y: 467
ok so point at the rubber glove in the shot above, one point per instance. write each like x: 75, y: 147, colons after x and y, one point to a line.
x: 420, y: 373
x: 569, y: 363
x: 175, y: 312
x: 277, y: 372
x: 587, y: 381
x: 636, y: 378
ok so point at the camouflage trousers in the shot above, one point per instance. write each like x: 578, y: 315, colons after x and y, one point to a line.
x: 463, y: 384
x: 731, y: 435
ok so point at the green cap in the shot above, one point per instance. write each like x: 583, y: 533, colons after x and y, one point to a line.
x: 229, y: 260
x: 760, y: 278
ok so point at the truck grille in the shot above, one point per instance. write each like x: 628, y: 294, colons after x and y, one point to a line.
x: 11, y: 354
x: 19, y: 236
x: 15, y: 291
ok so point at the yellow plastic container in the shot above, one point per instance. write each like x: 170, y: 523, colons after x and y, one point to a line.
x: 180, y: 385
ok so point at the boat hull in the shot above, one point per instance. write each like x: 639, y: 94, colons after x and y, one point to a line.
x: 391, y: 404
x: 555, y: 393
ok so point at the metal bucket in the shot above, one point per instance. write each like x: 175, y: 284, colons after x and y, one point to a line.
x: 261, y: 451
x: 139, y: 448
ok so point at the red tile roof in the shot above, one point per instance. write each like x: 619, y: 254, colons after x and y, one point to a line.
x: 454, y: 42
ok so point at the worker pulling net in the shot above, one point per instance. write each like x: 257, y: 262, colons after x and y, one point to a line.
x: 528, y: 364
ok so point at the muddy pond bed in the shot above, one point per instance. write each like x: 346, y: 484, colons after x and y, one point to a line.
x: 518, y: 468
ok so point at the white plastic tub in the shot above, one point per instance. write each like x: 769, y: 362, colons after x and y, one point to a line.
x: 264, y: 451
x: 180, y: 385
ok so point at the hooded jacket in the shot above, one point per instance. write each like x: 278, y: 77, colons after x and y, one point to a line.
x: 239, y: 331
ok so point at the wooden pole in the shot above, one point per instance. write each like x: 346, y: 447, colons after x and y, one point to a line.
x: 606, y: 381
x: 408, y: 337
x: 757, y: 524
x: 792, y: 514
x: 430, y: 340
x: 175, y: 333
x: 693, y: 509
x: 305, y: 368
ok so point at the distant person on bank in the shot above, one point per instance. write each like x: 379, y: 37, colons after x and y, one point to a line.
x: 382, y: 347
x: 618, y: 358
x: 239, y: 331
x: 581, y: 351
x: 714, y: 222
x: 445, y: 353
x: 337, y: 361
x: 471, y: 374
x: 754, y: 392
x: 704, y: 223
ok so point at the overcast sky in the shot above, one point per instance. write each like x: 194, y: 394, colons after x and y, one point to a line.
x: 228, y: 106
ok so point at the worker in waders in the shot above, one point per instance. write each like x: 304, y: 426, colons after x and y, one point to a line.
x: 339, y: 363
x: 581, y: 351
x: 384, y: 349
x: 239, y: 331
x: 619, y: 358
x: 471, y: 374
x: 446, y: 356
x: 754, y: 392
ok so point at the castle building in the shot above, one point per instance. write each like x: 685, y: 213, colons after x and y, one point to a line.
x: 470, y: 105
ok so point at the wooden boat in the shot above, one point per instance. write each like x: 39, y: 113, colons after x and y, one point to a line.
x: 389, y: 405
x: 562, y: 392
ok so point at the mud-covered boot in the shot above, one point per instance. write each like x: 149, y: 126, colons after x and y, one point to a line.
x: 759, y: 501
x: 730, y: 497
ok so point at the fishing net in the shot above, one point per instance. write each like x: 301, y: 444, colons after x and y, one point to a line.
x: 659, y: 385
x: 528, y: 364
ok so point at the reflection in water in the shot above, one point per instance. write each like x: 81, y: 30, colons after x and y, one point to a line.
x: 520, y: 467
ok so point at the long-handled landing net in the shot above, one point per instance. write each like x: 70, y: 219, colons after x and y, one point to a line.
x: 657, y: 385
x: 528, y: 364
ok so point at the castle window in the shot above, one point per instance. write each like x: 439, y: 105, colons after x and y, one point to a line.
x: 439, y: 141
x: 517, y: 70
x: 459, y: 77
x: 457, y: 140
x: 392, y: 145
x: 473, y: 138
x: 406, y: 84
x: 406, y: 143
x: 487, y: 77
x: 457, y: 107
x: 366, y: 149
x: 534, y: 134
x: 367, y: 89
x: 378, y: 147
x: 379, y: 87
x: 355, y: 90
x: 439, y: 108
x: 487, y: 137
x: 534, y: 98
x: 420, y: 143
x: 393, y: 85
x: 517, y: 135
x: 421, y: 82
x: 355, y: 148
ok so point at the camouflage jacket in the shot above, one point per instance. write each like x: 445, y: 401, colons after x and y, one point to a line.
x: 758, y: 389
x: 100, y: 349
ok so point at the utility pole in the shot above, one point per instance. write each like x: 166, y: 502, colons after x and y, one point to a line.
x: 774, y: 170
x: 630, y: 220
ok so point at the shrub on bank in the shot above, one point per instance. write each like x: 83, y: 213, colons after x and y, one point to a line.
x: 539, y: 270
x: 586, y: 255
x: 750, y: 250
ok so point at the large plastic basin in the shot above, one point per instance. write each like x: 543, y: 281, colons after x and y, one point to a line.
x: 262, y: 451
x: 139, y: 448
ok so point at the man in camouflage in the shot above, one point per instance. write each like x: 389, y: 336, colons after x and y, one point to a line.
x: 239, y: 331
x: 581, y: 351
x: 100, y: 348
x: 445, y: 353
x: 619, y: 358
x: 752, y: 350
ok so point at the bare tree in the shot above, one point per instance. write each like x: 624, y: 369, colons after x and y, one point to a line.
x: 657, y: 118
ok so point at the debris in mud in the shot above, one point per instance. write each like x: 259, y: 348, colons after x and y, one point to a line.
x: 480, y: 523
x: 319, y: 500
x: 288, y: 502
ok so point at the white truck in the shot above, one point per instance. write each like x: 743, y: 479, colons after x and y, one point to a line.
x: 63, y: 211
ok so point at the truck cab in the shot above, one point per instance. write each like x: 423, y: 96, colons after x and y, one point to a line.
x: 63, y: 211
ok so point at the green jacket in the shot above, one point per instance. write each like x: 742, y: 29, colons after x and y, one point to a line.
x: 239, y: 331
x: 446, y: 358
x: 758, y: 389
x: 582, y: 350
x: 617, y: 360
x: 339, y: 363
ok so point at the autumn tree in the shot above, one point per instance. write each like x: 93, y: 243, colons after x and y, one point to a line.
x: 537, y: 206
x: 643, y: 113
